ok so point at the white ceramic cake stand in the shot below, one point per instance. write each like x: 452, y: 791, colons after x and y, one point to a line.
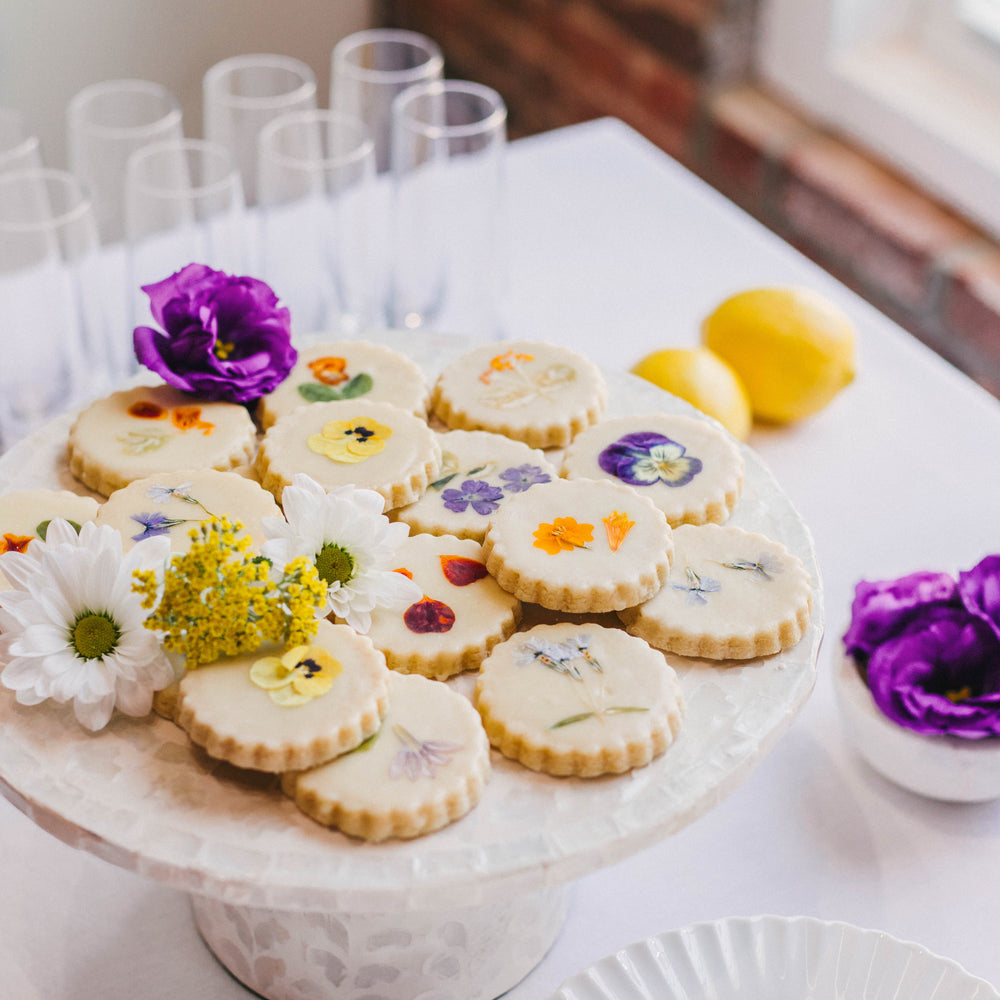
x: 300, y: 912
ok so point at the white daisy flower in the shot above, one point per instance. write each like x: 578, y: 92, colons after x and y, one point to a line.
x: 352, y: 543
x: 71, y: 629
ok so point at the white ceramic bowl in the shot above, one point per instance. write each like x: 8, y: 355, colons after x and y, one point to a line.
x: 774, y: 958
x: 939, y: 767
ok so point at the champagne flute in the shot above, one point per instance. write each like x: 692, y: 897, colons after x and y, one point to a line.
x: 315, y: 175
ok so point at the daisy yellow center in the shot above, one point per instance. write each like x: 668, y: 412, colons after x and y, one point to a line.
x: 94, y: 635
x: 335, y: 564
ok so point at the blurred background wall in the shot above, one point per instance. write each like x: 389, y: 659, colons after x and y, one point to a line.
x: 50, y: 49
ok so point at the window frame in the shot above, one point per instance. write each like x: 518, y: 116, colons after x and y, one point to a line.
x: 891, y: 75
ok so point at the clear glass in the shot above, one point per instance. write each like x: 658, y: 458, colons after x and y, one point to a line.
x: 316, y: 171
x: 106, y: 123
x: 242, y: 94
x: 368, y: 69
x: 19, y: 145
x: 55, y: 345
x: 183, y: 204
x: 449, y: 254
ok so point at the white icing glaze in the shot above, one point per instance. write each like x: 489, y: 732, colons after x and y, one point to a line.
x: 222, y: 709
x: 426, y: 767
x: 483, y: 613
x: 757, y: 604
x: 482, y: 457
x: 211, y: 493
x: 578, y: 699
x: 400, y: 471
x: 708, y: 495
x: 395, y: 378
x: 109, y: 448
x: 531, y: 391
x: 593, y: 577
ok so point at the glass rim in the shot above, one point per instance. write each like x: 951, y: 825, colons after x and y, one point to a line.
x: 172, y: 115
x: 135, y: 181
x: 26, y: 145
x: 347, y: 46
x: 79, y: 208
x: 214, y: 86
x: 358, y: 154
x: 488, y: 123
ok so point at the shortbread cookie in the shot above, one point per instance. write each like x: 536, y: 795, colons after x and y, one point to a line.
x: 462, y: 615
x: 479, y: 470
x: 138, y: 432
x: 276, y: 710
x: 527, y: 390
x: 583, y: 545
x: 581, y: 700
x: 347, y: 369
x: 175, y: 503
x: 426, y: 767
x: 374, y: 446
x: 25, y: 515
x: 731, y: 594
x: 691, y: 469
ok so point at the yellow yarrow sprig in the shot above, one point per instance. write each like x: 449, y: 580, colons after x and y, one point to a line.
x: 218, y: 599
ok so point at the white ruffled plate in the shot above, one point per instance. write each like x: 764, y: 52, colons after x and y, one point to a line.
x: 774, y: 958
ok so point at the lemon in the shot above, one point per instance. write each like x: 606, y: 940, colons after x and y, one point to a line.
x: 704, y: 380
x: 792, y: 347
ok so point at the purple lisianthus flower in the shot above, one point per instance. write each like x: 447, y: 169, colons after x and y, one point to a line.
x: 979, y: 589
x: 224, y: 337
x: 523, y: 477
x: 883, y: 608
x: 644, y: 458
x: 940, y: 674
x: 476, y: 493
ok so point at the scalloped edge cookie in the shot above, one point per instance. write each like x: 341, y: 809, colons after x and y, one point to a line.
x: 732, y: 595
x: 581, y: 700
x: 531, y: 391
x: 213, y: 435
x: 698, y: 481
x: 400, y: 471
x: 623, y: 557
x: 345, y: 792
x: 395, y: 379
x: 216, y: 705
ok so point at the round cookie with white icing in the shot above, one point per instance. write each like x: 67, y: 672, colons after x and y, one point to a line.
x: 426, y: 767
x: 579, y: 700
x: 479, y: 470
x: 531, y: 391
x: 691, y: 469
x: 275, y: 710
x: 579, y: 545
x: 174, y: 503
x: 137, y: 432
x: 462, y: 615
x: 374, y: 446
x: 347, y: 369
x: 25, y: 515
x: 732, y: 594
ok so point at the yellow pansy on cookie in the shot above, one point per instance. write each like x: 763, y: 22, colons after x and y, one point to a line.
x: 369, y: 445
x: 277, y: 710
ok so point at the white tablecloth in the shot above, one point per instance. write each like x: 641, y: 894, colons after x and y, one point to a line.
x: 619, y: 251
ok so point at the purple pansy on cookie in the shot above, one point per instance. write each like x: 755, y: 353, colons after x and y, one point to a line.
x: 645, y: 458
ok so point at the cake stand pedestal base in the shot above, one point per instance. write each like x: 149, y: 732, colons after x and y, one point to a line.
x: 471, y: 953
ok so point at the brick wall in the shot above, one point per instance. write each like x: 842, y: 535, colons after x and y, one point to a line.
x: 678, y: 71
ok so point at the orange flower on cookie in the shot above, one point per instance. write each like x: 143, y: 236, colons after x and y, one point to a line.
x: 329, y: 370
x: 563, y: 535
x: 350, y: 441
